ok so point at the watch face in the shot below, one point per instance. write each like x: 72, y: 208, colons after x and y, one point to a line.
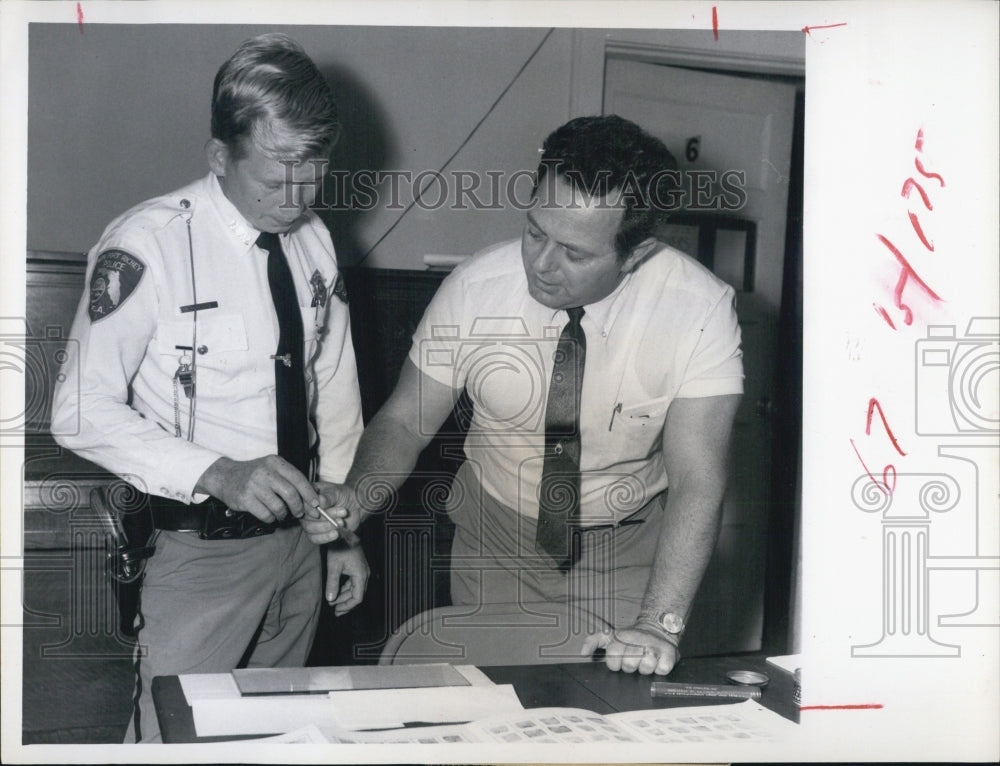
x: 671, y: 622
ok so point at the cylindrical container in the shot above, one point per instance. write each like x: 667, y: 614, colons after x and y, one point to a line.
x: 712, y: 691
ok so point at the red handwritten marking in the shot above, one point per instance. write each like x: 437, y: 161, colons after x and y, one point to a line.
x: 919, y: 143
x: 909, y: 185
x: 885, y: 472
x: 874, y: 404
x: 915, y: 222
x: 808, y: 29
x: 927, y: 174
x: 79, y: 16
x: 885, y: 315
x: 869, y: 706
x: 904, y: 277
x: 715, y: 22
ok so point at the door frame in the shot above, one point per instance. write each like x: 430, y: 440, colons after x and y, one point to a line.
x: 675, y: 47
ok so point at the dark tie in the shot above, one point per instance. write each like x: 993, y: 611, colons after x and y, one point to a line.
x: 289, y: 373
x: 559, y: 492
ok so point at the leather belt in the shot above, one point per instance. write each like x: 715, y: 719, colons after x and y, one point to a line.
x: 211, y: 519
x: 626, y: 522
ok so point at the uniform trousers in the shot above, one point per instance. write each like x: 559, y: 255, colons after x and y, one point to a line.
x: 493, y: 557
x: 203, y: 602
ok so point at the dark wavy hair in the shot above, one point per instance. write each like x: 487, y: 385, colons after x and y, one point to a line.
x: 271, y: 92
x: 609, y: 154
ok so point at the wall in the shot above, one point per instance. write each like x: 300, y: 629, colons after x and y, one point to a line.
x: 119, y: 113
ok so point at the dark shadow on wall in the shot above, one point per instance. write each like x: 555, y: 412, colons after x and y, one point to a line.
x: 361, y: 152
x: 407, y: 544
x: 784, y: 519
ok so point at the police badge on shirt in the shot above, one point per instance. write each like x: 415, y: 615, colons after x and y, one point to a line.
x: 115, y: 278
x: 320, y: 292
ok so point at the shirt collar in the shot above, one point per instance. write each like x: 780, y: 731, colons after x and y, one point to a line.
x: 232, y: 219
x: 604, y: 312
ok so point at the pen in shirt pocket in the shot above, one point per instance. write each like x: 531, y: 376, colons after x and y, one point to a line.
x: 614, y: 411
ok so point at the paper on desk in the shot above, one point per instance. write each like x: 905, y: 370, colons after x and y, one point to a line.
x: 305, y: 735
x: 258, y: 716
x: 745, y: 722
x: 385, y: 708
x: 474, y: 675
x: 218, y: 709
x: 334, y: 679
x: 201, y: 686
x: 787, y: 662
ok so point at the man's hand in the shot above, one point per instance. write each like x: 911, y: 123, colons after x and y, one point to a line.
x: 268, y: 487
x: 352, y: 564
x: 632, y: 649
x: 335, y: 515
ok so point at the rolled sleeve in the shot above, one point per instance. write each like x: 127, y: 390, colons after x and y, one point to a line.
x: 716, y: 363
x: 437, y: 341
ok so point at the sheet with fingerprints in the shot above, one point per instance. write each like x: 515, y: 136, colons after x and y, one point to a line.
x: 747, y: 721
x: 743, y: 722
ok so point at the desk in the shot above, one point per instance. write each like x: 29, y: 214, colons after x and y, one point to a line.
x: 587, y: 685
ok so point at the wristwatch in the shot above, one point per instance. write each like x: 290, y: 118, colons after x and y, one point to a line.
x: 671, y: 622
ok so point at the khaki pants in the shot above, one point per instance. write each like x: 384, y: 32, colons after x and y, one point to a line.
x: 493, y: 557
x: 202, y: 603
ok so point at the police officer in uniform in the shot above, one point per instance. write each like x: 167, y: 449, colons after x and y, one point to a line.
x: 213, y: 370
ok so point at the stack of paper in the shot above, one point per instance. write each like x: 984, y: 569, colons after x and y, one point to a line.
x: 220, y: 709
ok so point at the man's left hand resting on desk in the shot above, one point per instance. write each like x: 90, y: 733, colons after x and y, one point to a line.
x: 633, y: 649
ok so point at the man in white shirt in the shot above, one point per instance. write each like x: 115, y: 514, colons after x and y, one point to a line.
x: 604, y: 367
x: 218, y: 378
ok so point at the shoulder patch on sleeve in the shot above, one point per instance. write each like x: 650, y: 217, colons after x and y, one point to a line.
x: 115, y: 278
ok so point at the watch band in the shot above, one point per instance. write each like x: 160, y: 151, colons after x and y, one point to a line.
x: 651, y: 626
x: 669, y: 625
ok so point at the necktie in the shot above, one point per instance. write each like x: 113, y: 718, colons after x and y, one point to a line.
x: 289, y: 373
x: 559, y: 492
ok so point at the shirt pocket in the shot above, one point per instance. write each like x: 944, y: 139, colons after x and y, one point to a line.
x: 636, y: 430
x: 648, y: 414
x: 220, y: 342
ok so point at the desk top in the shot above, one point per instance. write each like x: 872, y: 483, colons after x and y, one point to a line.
x: 587, y: 685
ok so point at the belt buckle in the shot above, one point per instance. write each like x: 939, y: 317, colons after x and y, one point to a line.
x: 223, y: 523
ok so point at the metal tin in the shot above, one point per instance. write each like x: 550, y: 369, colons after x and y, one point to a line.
x: 747, y: 678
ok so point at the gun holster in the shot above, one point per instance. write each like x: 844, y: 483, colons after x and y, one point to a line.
x: 126, y: 515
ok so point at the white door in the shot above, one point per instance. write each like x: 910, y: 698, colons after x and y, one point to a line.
x: 727, y: 123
